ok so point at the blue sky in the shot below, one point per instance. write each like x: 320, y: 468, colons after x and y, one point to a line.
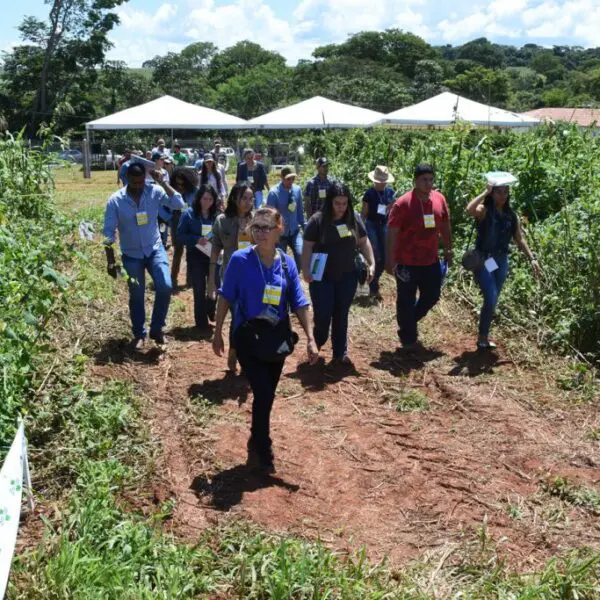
x: 295, y: 27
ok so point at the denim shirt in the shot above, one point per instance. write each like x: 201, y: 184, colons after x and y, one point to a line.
x: 137, y: 241
x: 189, y: 230
x: 280, y: 198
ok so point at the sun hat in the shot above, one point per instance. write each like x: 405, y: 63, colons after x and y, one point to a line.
x: 288, y: 171
x: 381, y: 175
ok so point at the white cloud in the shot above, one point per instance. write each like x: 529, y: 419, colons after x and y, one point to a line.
x: 161, y: 23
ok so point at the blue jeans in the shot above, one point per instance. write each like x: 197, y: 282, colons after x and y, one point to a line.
x: 258, y: 198
x: 491, y: 285
x: 331, y: 305
x: 376, y: 233
x: 409, y: 311
x: 157, y: 264
x: 294, y: 241
x: 198, y: 265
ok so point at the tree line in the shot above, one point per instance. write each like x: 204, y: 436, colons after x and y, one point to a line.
x: 59, y: 75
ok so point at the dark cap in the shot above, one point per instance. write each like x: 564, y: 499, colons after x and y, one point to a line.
x: 321, y: 162
x: 157, y: 155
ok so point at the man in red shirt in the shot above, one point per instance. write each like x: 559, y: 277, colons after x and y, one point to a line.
x: 417, y: 222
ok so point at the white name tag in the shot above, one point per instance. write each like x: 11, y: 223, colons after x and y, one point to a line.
x: 429, y: 221
x: 322, y: 192
x: 491, y: 265
x: 292, y: 206
x: 250, y: 179
x: 206, y: 229
x: 343, y: 231
x: 272, y: 295
x: 382, y: 209
x: 141, y: 218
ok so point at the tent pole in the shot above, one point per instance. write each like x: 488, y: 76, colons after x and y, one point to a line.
x: 172, y: 140
x: 86, y: 155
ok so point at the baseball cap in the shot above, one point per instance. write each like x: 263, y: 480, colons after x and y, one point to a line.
x: 288, y: 171
x: 321, y: 162
x: 157, y: 155
x: 209, y: 156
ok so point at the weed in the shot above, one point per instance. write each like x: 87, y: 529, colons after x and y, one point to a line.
x: 575, y: 495
x: 410, y: 400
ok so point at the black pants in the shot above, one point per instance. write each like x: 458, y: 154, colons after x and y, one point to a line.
x: 409, y: 311
x: 198, y: 265
x: 263, y: 378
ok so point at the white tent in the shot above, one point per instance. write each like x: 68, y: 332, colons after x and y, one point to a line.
x: 168, y: 113
x: 447, y: 108
x: 316, y: 113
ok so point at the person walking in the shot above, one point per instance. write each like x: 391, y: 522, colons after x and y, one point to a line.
x: 333, y: 236
x: 133, y: 211
x: 180, y: 159
x: 210, y: 175
x: 185, y: 182
x: 316, y: 188
x: 230, y: 233
x: 195, y: 233
x: 262, y: 284
x: 376, y: 205
x: 254, y: 173
x: 417, y: 222
x: 497, y: 226
x: 286, y: 197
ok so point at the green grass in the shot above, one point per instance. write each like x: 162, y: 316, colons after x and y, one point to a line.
x: 410, y: 400
x: 573, y: 494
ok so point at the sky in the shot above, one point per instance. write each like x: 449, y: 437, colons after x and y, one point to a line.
x: 294, y: 28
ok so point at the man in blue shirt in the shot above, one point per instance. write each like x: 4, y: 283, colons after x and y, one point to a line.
x: 286, y: 197
x: 316, y: 188
x: 133, y: 210
x: 255, y: 174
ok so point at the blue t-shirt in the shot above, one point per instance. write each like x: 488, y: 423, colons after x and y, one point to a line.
x: 244, y: 285
x: 373, y: 199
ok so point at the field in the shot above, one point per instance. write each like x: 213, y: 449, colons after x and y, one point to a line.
x: 451, y: 473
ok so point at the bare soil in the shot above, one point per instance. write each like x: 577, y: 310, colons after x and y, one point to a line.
x: 354, y: 471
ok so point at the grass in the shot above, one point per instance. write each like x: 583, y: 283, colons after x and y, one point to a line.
x: 573, y: 494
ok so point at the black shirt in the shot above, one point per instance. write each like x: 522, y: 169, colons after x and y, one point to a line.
x: 340, y: 250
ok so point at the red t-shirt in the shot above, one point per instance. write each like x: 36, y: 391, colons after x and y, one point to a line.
x: 417, y: 245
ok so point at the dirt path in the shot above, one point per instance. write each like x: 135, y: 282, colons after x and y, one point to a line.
x: 353, y: 470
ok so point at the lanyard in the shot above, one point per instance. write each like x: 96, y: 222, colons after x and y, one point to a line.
x: 261, y: 267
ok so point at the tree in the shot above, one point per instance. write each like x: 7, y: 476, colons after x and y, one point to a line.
x: 482, y: 85
x: 72, y: 43
x: 548, y: 65
x: 427, y: 81
x: 483, y: 53
x: 239, y: 60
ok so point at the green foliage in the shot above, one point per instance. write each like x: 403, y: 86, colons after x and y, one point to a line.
x: 489, y: 86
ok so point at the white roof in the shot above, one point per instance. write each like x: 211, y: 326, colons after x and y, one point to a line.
x: 168, y: 113
x: 316, y: 113
x: 446, y: 108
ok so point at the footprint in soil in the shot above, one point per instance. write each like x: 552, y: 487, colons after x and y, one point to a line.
x: 227, y: 487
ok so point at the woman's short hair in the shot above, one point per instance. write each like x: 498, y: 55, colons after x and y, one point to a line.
x: 266, y: 211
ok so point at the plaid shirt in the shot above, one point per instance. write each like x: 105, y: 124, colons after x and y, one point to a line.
x: 312, y: 193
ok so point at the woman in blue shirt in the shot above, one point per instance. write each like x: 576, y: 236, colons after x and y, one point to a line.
x: 377, y: 202
x: 260, y: 287
x: 194, y: 232
x: 497, y: 226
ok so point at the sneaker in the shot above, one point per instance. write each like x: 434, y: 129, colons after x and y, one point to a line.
x: 414, y: 347
x: 159, y: 338
x: 256, y: 462
x: 138, y: 344
x: 487, y: 345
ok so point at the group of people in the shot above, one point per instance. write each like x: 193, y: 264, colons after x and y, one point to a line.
x: 238, y: 261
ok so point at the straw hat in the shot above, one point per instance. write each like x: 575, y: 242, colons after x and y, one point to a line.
x: 381, y: 175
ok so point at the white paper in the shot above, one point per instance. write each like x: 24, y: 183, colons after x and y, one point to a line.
x: 206, y: 249
x: 500, y: 178
x: 11, y: 486
x: 318, y: 261
x: 382, y: 209
x: 491, y: 265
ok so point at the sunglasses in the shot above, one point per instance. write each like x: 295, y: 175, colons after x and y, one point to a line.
x: 262, y: 228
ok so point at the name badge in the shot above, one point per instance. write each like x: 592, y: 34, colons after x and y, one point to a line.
x: 491, y: 265
x: 382, y: 209
x: 429, y: 221
x: 250, y: 179
x: 142, y: 218
x: 322, y: 193
x: 272, y: 295
x: 292, y: 206
x: 206, y: 230
x: 244, y: 241
x: 343, y: 231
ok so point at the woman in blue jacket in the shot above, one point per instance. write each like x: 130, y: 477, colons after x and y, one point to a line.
x: 195, y: 232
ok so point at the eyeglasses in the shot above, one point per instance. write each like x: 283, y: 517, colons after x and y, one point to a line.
x: 262, y: 228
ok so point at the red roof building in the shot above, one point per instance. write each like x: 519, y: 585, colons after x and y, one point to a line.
x: 583, y: 117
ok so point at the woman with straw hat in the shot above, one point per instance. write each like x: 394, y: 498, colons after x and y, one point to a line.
x: 377, y: 202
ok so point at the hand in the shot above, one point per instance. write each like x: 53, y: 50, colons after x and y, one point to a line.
x: 217, y: 344
x: 371, y: 273
x: 537, y: 270
x: 157, y: 176
x: 210, y: 289
x: 112, y: 270
x: 389, y: 269
x: 202, y: 241
x: 307, y: 277
x: 313, y: 352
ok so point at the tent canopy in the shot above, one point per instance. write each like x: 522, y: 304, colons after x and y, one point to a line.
x: 168, y: 113
x: 316, y: 113
x: 446, y: 108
